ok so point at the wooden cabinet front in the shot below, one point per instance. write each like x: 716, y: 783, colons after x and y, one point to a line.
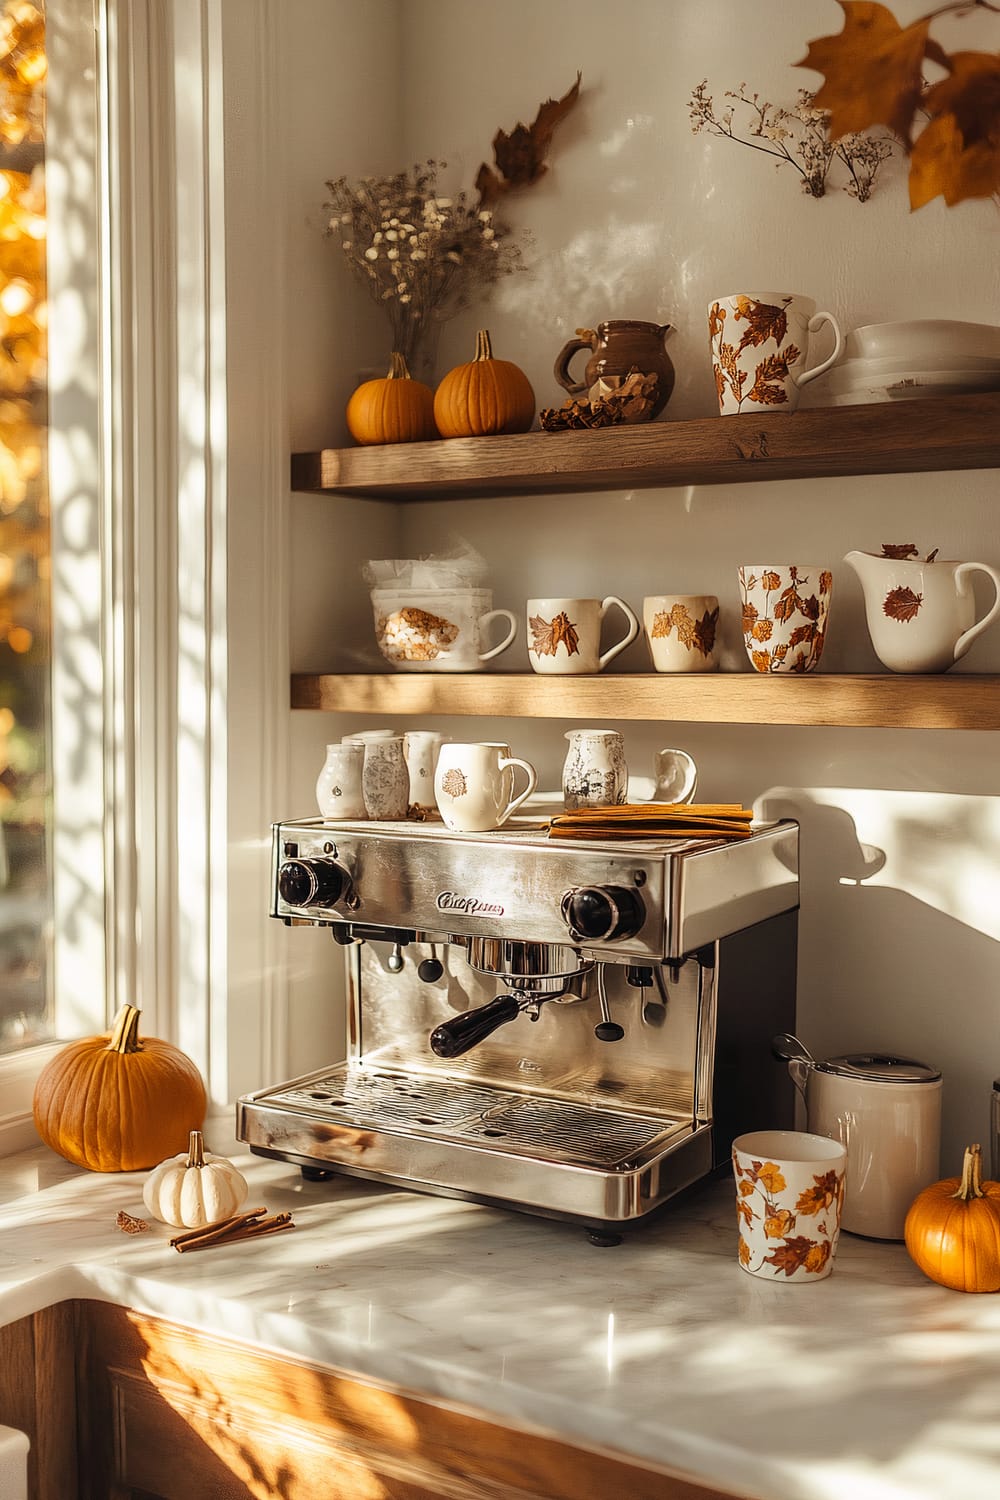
x: 164, y: 1413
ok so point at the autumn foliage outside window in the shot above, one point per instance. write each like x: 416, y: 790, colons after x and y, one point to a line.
x: 24, y: 533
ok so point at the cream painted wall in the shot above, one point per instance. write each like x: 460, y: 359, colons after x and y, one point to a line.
x: 900, y: 923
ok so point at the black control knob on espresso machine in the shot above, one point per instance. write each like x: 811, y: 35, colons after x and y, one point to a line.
x: 313, y: 882
x: 602, y: 913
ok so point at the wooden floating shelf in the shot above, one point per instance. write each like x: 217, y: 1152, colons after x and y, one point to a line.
x: 962, y: 701
x: 896, y: 437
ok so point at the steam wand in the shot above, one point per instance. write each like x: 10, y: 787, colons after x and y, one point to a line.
x: 606, y: 1030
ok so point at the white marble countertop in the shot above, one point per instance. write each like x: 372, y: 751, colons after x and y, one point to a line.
x: 873, y: 1384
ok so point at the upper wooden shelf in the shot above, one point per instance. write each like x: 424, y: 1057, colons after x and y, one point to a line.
x: 896, y: 437
x: 962, y: 701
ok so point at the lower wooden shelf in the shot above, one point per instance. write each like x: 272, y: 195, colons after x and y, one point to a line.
x: 962, y: 701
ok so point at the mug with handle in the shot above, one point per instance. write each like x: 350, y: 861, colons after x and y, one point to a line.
x: 474, y: 785
x: 760, y: 343
x: 564, y: 635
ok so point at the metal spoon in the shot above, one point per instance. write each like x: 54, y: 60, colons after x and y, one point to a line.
x: 788, y: 1048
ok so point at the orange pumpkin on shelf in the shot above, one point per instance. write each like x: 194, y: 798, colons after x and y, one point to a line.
x: 484, y: 397
x: 394, y: 409
x: 115, y: 1103
x: 952, y: 1230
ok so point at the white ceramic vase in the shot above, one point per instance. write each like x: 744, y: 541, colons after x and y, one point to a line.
x: 338, y: 786
x: 421, y: 748
x: 594, y: 772
x: 385, y: 780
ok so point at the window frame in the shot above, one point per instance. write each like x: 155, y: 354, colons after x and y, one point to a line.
x: 161, y: 810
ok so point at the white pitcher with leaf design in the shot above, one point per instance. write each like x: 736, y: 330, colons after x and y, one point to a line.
x: 921, y: 613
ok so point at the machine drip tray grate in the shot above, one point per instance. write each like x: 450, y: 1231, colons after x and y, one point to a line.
x: 476, y: 1115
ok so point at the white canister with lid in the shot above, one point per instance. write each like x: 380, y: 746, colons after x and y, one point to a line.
x: 887, y: 1112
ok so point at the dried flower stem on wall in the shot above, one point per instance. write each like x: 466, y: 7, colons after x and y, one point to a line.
x: 799, y: 137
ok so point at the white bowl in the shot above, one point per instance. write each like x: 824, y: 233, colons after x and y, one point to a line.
x: 909, y: 385
x: 858, y: 367
x: 923, y: 340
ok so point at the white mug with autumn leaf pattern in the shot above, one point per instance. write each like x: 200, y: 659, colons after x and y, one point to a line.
x: 564, y: 635
x: 760, y: 343
x: 789, y: 1200
x: 680, y: 631
x: 474, y: 785
x: 786, y: 607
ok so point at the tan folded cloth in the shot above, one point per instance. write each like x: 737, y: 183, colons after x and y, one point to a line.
x: 654, y: 820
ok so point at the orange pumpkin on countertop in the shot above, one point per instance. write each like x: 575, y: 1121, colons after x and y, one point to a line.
x: 484, y: 397
x: 115, y: 1103
x: 952, y: 1230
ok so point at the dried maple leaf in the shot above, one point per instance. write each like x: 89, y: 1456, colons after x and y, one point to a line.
x: 130, y: 1225
x: 763, y: 322
x: 716, y: 318
x: 520, y: 156
x: 548, y: 635
x: 791, y: 1255
x: 873, y: 70
x: 958, y: 154
x: 900, y: 550
x: 944, y: 164
x: 902, y: 604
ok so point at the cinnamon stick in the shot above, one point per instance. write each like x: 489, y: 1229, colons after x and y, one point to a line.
x: 230, y: 1234
x: 211, y: 1230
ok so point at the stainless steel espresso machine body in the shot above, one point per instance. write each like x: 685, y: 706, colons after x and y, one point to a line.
x: 576, y: 1029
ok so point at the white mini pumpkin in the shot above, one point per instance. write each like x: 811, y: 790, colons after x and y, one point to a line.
x: 194, y: 1189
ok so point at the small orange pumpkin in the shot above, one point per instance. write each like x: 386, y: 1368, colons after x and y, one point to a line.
x: 487, y: 396
x: 393, y: 409
x: 113, y: 1103
x: 952, y: 1230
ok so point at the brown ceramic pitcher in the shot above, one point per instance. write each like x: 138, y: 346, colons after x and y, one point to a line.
x: 616, y: 348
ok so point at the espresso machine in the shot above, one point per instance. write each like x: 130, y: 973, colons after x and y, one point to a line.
x: 573, y: 1029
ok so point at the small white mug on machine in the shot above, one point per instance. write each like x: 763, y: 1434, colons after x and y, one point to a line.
x: 564, y: 635
x: 474, y: 786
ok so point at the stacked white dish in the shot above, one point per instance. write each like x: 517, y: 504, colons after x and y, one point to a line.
x: 923, y: 357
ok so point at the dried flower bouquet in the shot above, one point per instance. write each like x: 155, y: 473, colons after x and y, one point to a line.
x: 423, y: 254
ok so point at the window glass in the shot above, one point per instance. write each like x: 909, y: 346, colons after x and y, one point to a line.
x: 26, y: 1016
